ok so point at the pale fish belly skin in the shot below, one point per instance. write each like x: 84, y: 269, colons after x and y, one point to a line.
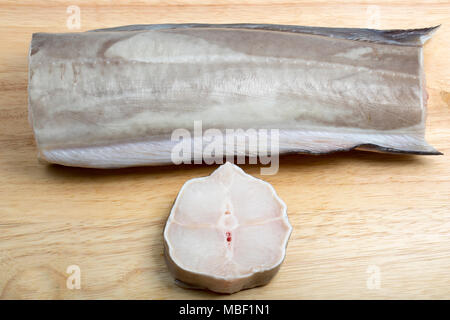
x: 111, y: 98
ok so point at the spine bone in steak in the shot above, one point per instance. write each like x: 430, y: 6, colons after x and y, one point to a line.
x: 226, y: 232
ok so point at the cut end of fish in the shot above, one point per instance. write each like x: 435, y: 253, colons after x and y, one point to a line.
x: 226, y: 232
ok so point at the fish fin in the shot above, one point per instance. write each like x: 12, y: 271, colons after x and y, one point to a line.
x: 403, y: 37
x: 410, y: 36
x: 376, y: 148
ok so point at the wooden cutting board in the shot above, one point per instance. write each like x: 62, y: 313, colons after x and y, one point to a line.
x: 366, y: 225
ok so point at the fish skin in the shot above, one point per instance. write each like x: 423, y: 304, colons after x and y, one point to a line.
x: 111, y: 97
x: 407, y: 37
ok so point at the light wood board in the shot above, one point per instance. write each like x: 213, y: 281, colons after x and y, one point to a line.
x: 356, y: 216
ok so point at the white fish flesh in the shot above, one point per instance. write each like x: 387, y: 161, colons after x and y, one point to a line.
x: 226, y: 232
x: 111, y: 98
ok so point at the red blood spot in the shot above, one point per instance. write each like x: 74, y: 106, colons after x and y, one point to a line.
x: 228, y: 236
x: 227, y: 212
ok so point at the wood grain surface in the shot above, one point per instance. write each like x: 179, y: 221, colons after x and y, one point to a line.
x: 366, y: 225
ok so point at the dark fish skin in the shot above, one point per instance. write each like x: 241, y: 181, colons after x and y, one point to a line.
x: 112, y: 97
x: 408, y: 37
